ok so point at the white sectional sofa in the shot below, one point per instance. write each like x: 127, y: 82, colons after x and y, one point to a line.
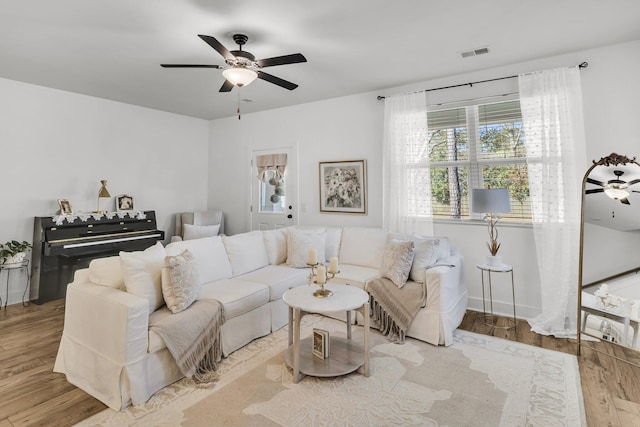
x: 108, y: 351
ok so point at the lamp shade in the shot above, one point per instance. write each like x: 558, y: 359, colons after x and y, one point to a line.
x: 490, y: 200
x: 616, y: 193
x: 239, y: 76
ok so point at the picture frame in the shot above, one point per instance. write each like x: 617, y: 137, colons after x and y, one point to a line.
x: 343, y: 186
x: 320, y: 342
x: 65, y: 207
x: 124, y: 203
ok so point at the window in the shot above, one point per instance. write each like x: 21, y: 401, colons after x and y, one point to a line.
x: 478, y: 146
x: 272, y: 197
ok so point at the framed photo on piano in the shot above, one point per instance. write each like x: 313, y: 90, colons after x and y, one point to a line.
x: 65, y: 207
x: 124, y: 202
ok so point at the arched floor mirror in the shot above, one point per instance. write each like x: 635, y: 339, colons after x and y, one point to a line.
x: 609, y: 265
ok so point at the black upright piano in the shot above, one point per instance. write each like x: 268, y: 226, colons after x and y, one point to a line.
x: 61, y: 247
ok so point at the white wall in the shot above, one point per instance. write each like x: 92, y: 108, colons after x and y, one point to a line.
x: 57, y: 144
x: 351, y: 128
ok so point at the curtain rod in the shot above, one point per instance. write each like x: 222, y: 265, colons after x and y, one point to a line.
x: 584, y: 64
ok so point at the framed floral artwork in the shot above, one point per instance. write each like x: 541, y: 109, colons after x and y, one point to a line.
x: 343, y: 187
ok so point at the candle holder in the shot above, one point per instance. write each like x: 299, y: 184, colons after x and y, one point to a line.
x: 313, y: 278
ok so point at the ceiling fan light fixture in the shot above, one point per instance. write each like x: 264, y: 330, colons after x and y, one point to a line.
x: 616, y: 193
x: 239, y: 76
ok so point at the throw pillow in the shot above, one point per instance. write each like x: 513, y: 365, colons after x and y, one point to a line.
x: 180, y: 282
x: 425, y: 256
x: 276, y: 243
x: 142, y: 272
x: 191, y: 232
x: 299, y: 241
x: 397, y: 261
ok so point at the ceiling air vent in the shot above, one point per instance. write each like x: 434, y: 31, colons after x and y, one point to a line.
x: 474, y: 52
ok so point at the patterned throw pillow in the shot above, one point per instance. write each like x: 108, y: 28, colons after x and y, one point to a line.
x: 397, y: 261
x: 180, y: 283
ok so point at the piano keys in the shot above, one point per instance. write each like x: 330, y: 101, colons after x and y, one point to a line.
x: 59, y: 249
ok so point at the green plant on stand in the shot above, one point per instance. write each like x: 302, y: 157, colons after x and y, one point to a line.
x: 13, y: 252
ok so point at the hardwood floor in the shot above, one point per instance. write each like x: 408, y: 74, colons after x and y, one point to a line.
x: 32, y: 395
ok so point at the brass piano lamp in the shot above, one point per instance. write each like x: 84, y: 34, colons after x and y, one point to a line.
x: 103, y: 194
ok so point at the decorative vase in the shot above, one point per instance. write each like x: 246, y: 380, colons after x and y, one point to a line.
x: 494, y: 260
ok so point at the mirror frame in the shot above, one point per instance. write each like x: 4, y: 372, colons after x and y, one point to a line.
x: 612, y: 159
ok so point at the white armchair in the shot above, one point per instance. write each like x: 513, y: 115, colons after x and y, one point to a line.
x: 203, y: 218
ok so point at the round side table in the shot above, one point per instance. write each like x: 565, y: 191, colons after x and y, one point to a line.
x: 346, y: 356
x: 489, y: 318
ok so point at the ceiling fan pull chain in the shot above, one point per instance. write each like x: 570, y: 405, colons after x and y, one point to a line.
x: 238, y: 110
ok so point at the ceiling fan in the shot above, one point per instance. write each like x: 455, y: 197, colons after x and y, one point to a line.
x: 616, y: 188
x: 243, y: 66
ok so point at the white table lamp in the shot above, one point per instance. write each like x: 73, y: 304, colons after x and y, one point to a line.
x: 491, y: 201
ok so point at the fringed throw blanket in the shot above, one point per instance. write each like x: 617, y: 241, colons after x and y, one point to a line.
x: 393, y: 308
x: 193, y: 338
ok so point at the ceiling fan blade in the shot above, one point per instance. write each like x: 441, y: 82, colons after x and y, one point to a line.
x: 211, y: 41
x: 189, y: 66
x: 593, y: 181
x: 226, y: 86
x: 635, y: 181
x: 276, y: 80
x: 282, y: 60
x: 595, y: 190
x: 625, y: 201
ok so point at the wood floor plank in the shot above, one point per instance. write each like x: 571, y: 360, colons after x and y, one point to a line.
x: 67, y: 409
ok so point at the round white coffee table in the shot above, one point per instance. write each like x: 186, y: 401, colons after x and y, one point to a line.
x: 345, y: 355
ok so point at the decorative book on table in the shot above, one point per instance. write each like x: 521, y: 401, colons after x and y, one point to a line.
x: 320, y: 343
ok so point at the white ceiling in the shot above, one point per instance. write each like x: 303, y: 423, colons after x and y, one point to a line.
x: 112, y: 49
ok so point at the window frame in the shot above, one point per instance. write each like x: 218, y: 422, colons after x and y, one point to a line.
x: 473, y: 164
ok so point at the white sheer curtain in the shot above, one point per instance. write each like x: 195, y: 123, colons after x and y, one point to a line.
x: 406, y: 195
x: 551, y: 103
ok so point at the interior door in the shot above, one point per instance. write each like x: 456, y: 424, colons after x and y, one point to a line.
x: 273, y: 198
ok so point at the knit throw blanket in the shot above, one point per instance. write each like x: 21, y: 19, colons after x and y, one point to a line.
x: 192, y: 337
x: 393, y: 308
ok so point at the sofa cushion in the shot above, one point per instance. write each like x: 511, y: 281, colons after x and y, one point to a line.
x: 191, y: 232
x: 300, y: 241
x: 279, y: 278
x: 246, y: 252
x: 142, y: 274
x: 332, y: 242
x: 397, y: 261
x: 107, y: 272
x: 238, y: 296
x: 363, y: 246
x: 276, y: 243
x: 355, y: 275
x: 180, y: 282
x: 425, y: 255
x: 210, y: 257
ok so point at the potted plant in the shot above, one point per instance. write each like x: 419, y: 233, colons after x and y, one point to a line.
x: 12, y: 253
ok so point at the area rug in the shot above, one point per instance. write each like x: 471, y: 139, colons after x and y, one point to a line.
x: 477, y: 381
